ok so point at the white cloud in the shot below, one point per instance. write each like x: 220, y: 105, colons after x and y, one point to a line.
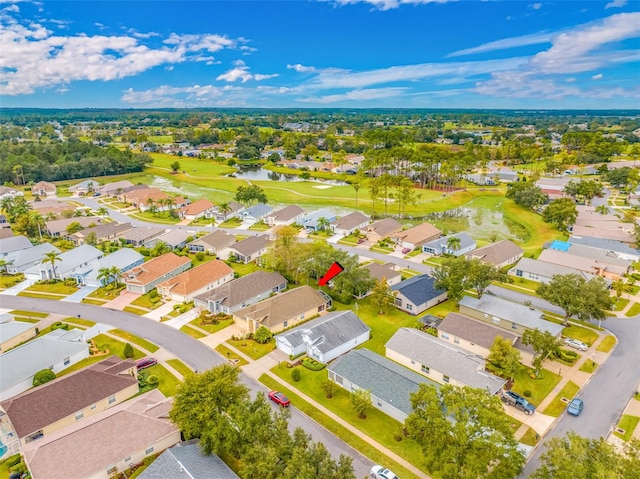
x: 12, y: 8
x: 597, y: 76
x: 301, y: 68
x: 616, y: 4
x: 536, y: 6
x: 390, y: 4
x: 506, y: 43
x: 356, y: 95
x: 241, y: 72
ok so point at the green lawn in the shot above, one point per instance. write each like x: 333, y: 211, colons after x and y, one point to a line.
x: 606, y: 344
x: 29, y: 294
x: 27, y: 320
x: 377, y: 425
x: 628, y: 423
x: 585, y: 335
x: 588, y: 366
x: 252, y: 349
x: 227, y: 353
x: 620, y: 303
x: 245, y: 269
x: 79, y: 321
x: 146, y: 301
x: 556, y: 406
x: 162, y: 217
x: 194, y: 333
x: 260, y: 226
x: 231, y: 223
x: 181, y: 367
x: 94, y: 301
x: 6, y: 281
x: 168, y: 384
x: 203, y: 168
x: 530, y: 438
x: 539, y: 387
x: 35, y: 314
x: 108, y: 292
x: 444, y: 308
x: 523, y: 283
x: 212, y: 328
x: 132, y: 338
x: 633, y: 310
x: 55, y: 288
x: 134, y: 310
x: 103, y: 342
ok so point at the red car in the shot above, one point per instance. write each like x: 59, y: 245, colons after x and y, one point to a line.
x: 279, y: 398
x: 146, y: 363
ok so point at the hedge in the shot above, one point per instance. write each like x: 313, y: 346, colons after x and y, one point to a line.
x: 312, y: 364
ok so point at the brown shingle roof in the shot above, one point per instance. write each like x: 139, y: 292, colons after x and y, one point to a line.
x: 418, y: 234
x: 474, y: 331
x: 197, y: 207
x: 379, y: 271
x: 497, y: 253
x: 352, y: 220
x: 217, y: 240
x: 287, y: 213
x: 385, y: 226
x: 244, y: 288
x: 250, y: 245
x: 196, y: 278
x: 36, y: 408
x: 155, y: 268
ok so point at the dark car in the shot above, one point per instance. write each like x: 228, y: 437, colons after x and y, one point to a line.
x: 146, y: 363
x: 518, y: 402
x: 279, y: 398
x: 575, y: 407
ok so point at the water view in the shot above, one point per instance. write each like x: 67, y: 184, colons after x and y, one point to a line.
x: 257, y: 173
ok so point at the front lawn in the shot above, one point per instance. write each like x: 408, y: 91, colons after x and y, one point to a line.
x: 94, y: 301
x: 194, y: 333
x: 6, y: 281
x: 634, y: 310
x: 231, y: 355
x: 79, y: 321
x: 259, y: 226
x: 231, y: 223
x: 606, y: 344
x: 585, y: 335
x: 620, y: 303
x: 212, y: 328
x: 252, y: 349
x: 181, y: 367
x: 134, y: 310
x: 530, y: 438
x: 629, y: 424
x: 35, y: 314
x: 588, y: 366
x: 107, y: 292
x: 146, y: 301
x: 132, y: 338
x: 103, y: 343
x: 167, y: 382
x: 556, y: 406
x: 539, y: 387
x: 52, y: 288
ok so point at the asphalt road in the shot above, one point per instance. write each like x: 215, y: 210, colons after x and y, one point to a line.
x: 188, y: 349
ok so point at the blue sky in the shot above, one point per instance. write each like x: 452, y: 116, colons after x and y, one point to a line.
x: 328, y: 53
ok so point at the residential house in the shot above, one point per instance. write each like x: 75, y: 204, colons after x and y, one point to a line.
x: 256, y: 213
x: 5, y: 227
x: 22, y: 260
x: 476, y: 336
x: 186, y: 460
x: 417, y: 294
x: 84, y: 187
x: 513, y: 317
x: 389, y: 384
x: 440, y: 360
x: 382, y: 229
x: 140, y: 235
x: 234, y: 209
x: 56, y: 350
x: 13, y: 244
x: 417, y: 236
x: 39, y: 412
x: 312, y: 221
x: 203, y: 208
x: 499, y: 254
x: 13, y: 333
x: 8, y: 192
x: 58, y: 228
x: 174, y: 239
x: 442, y: 245
x: 72, y: 264
x: 114, y: 188
x: 606, y: 269
x: 592, y: 223
x: 325, y: 338
x: 241, y: 292
x: 283, y: 310
x: 606, y: 257
x: 52, y: 207
x: 217, y: 243
x: 350, y: 223
x: 108, y: 443
x: 143, y: 198
x: 99, y: 234
x: 384, y: 271
x: 285, y: 216
x: 44, y: 188
x: 195, y: 281
x: 354, y: 159
x: 147, y: 276
x: 250, y: 248
x: 123, y: 260
x: 298, y: 126
x: 621, y: 250
x: 543, y: 271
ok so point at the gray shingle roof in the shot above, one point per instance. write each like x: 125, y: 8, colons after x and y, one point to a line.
x: 418, y: 289
x: 385, y: 379
x: 242, y: 289
x: 543, y: 268
x: 14, y: 243
x: 473, y: 330
x: 218, y: 239
x: 187, y: 461
x: 329, y: 331
x: 516, y: 313
x: 441, y: 243
x: 257, y: 211
x: 142, y: 233
x: 351, y: 220
x: 445, y: 358
x: 173, y: 237
x: 287, y: 213
x: 26, y: 256
x: 598, y: 254
x: 250, y: 245
x: 606, y: 244
x: 497, y: 253
x: 379, y: 271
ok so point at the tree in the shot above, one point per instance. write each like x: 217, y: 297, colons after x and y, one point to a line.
x: 464, y: 433
x: 544, y: 344
x: 3, y: 265
x: 480, y: 275
x: 458, y: 274
x: 323, y: 224
x: 37, y: 218
x: 73, y: 227
x: 602, y: 209
x: 262, y: 335
x: 561, y: 213
x: 361, y: 402
x: 128, y: 351
x: 224, y: 208
x: 247, y: 195
x: 329, y: 388
x: 503, y: 355
x: 104, y: 276
x: 573, y: 456
x: 102, y: 211
x: 43, y: 376
x: 52, y: 257
x: 382, y: 298
x: 175, y: 167
x: 453, y: 243
x: 526, y: 194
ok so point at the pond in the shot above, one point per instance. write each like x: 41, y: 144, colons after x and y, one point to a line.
x: 258, y: 173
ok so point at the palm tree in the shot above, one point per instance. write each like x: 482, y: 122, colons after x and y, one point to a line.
x: 152, y: 206
x: 224, y: 208
x: 104, y: 275
x: 102, y: 211
x: 3, y: 265
x: 323, y: 223
x: 602, y: 209
x: 52, y: 257
x: 453, y: 243
x: 115, y: 273
x: 356, y: 186
x: 37, y: 217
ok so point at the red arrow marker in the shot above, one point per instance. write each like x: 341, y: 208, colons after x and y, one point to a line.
x: 335, y: 269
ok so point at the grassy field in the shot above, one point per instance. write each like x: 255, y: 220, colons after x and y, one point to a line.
x: 581, y: 334
x: 132, y: 338
x: 629, y: 424
x: 252, y: 349
x: 606, y: 344
x: 539, y: 387
x: 556, y: 406
x: 204, y: 168
x: 181, y: 367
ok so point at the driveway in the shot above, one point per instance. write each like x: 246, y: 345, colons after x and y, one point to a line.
x: 124, y: 299
x: 17, y: 288
x: 79, y: 295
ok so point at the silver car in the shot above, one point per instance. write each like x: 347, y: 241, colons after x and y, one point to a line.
x: 574, y: 343
x: 379, y: 472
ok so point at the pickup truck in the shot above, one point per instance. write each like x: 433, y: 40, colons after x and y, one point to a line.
x: 518, y: 401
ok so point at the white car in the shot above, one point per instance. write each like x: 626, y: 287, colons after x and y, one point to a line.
x: 574, y: 343
x: 379, y: 472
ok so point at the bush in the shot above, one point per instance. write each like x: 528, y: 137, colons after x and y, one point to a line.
x: 527, y: 393
x: 13, y: 460
x: 199, y: 255
x: 262, y: 335
x: 59, y: 325
x: 312, y: 364
x: 295, y: 375
x: 43, y: 376
x: 144, y: 251
x: 153, y: 293
x: 20, y: 468
x: 128, y: 351
x: 153, y: 380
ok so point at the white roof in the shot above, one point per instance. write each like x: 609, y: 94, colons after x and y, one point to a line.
x: 11, y: 329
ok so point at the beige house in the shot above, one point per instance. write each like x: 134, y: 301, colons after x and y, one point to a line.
x: 13, y: 333
x: 217, y: 243
x: 499, y: 254
x: 283, y: 310
x: 39, y: 412
x: 105, y: 445
x: 147, y: 276
x: 382, y: 229
x: 194, y: 281
x: 44, y: 188
x: 415, y: 237
x: 203, y: 208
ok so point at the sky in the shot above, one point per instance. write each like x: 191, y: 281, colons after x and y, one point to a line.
x: 516, y: 54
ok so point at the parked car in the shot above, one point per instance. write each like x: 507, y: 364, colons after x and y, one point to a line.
x: 146, y: 363
x: 379, y: 472
x: 574, y: 343
x: 575, y: 407
x: 406, y: 250
x: 518, y: 402
x: 279, y: 398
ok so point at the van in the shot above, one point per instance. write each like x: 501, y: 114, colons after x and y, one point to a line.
x: 146, y: 363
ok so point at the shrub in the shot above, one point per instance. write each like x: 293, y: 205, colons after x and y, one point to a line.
x: 199, y: 255
x: 13, y: 460
x: 312, y: 364
x: 397, y: 436
x: 128, y: 351
x: 262, y: 335
x: 329, y: 387
x: 153, y: 380
x: 144, y: 251
x: 153, y: 293
x: 43, y: 376
x: 295, y: 375
x: 19, y: 468
x: 527, y: 393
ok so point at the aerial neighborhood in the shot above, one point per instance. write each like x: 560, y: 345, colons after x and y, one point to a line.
x: 489, y: 268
